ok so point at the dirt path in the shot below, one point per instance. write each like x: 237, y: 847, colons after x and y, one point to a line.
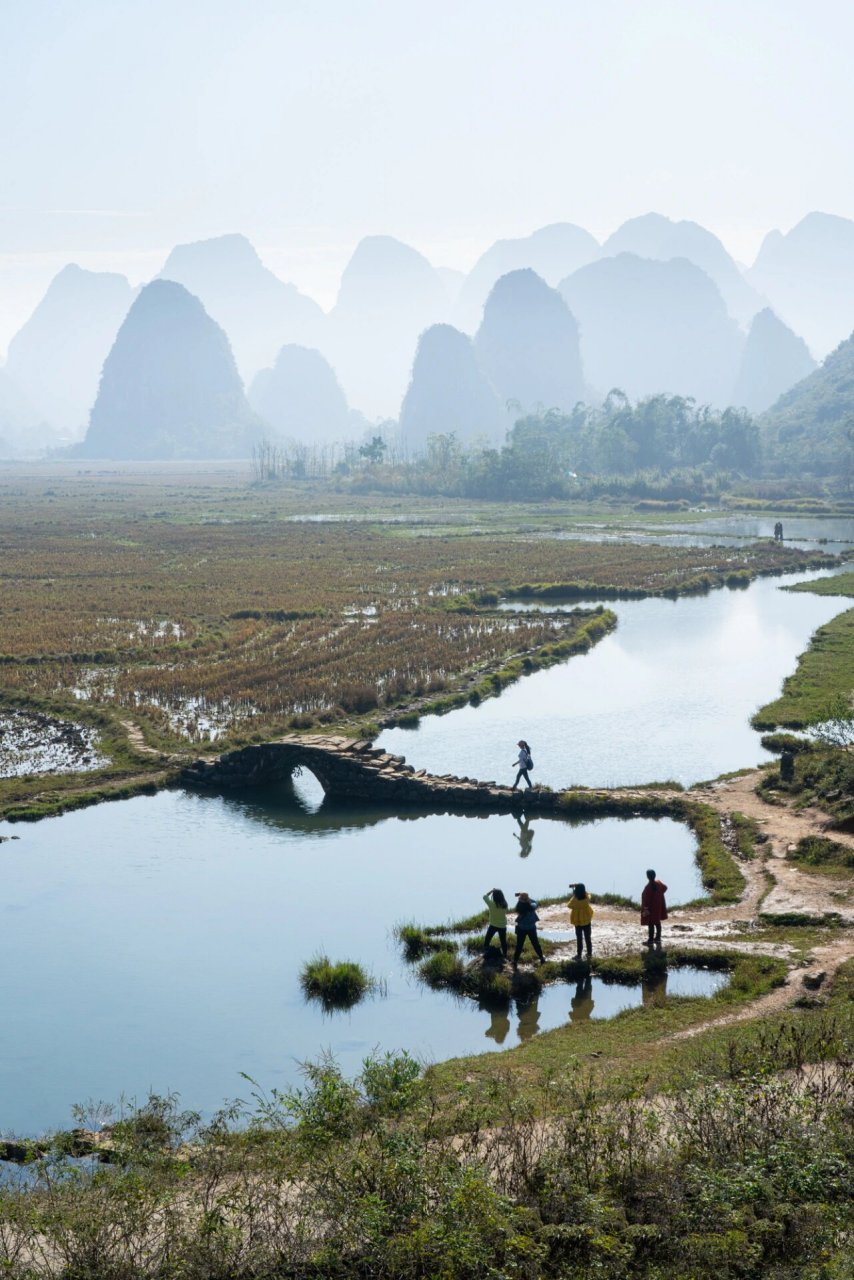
x: 773, y: 885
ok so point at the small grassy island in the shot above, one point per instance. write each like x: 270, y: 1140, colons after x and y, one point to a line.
x: 336, y: 984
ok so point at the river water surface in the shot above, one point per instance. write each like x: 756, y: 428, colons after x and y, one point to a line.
x: 156, y: 943
x: 668, y: 695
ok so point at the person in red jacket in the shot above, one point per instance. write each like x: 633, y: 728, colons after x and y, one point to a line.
x: 653, y: 908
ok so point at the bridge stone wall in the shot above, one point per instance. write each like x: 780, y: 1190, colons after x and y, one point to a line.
x: 355, y: 770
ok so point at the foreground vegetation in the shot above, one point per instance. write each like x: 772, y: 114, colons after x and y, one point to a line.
x: 742, y: 1169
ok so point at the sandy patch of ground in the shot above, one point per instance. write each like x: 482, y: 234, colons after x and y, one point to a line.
x: 773, y: 885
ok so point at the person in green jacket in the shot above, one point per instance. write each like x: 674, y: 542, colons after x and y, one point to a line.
x: 496, y: 905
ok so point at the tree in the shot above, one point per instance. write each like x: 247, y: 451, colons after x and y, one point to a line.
x: 373, y: 453
x: 834, y: 724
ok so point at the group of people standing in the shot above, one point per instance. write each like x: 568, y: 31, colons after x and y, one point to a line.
x: 653, y: 912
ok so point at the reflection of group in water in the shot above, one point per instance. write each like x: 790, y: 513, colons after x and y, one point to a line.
x: 527, y: 1012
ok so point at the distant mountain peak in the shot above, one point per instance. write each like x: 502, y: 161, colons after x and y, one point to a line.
x: 258, y: 311
x: 170, y: 387
x: 56, y: 357
x: 528, y: 345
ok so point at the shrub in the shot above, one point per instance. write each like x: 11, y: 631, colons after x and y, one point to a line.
x: 817, y: 851
x: 443, y: 969
x: 417, y: 942
x: 337, y: 985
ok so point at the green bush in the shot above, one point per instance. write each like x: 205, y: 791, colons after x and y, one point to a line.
x: 337, y: 985
x: 417, y: 941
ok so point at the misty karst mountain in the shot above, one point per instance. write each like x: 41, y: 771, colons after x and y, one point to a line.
x: 808, y: 277
x: 810, y: 429
x: 774, y: 359
x: 258, y: 311
x: 170, y: 387
x: 449, y: 393
x: 649, y: 327
x: 389, y: 294
x: 554, y: 252
x: 301, y: 398
x: 654, y: 236
x: 57, y: 356
x: 527, y: 345
x: 23, y: 433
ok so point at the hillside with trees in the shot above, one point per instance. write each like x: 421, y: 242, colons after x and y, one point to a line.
x: 810, y: 430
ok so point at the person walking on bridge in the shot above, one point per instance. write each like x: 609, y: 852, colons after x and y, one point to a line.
x: 653, y: 908
x: 525, y: 762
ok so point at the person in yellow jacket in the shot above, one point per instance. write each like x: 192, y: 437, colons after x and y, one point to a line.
x: 581, y: 915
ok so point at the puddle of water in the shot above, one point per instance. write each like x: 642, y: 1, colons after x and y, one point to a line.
x: 590, y: 1000
x: 828, y: 533
x: 32, y: 743
x: 156, y: 943
x: 667, y: 695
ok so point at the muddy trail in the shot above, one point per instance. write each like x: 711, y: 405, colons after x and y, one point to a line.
x: 775, y: 887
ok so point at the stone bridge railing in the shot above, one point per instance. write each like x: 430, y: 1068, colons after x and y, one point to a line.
x: 354, y: 770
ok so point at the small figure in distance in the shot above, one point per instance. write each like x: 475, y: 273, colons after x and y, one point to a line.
x: 496, y: 905
x: 653, y: 908
x: 778, y: 531
x: 581, y: 915
x: 526, y: 926
x: 525, y: 762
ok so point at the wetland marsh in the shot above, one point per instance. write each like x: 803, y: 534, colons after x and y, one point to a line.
x: 157, y: 942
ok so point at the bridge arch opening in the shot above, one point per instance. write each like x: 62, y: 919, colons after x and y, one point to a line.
x: 307, y: 787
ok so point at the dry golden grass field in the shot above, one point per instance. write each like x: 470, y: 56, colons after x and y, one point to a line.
x: 203, y: 606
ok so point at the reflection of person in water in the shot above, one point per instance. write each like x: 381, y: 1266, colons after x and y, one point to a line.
x: 525, y: 835
x: 582, y: 1001
x: 528, y: 1013
x: 499, y: 1026
x: 655, y: 990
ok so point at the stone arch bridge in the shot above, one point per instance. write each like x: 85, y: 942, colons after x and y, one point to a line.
x: 349, y: 769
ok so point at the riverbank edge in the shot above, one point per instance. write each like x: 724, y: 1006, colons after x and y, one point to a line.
x: 823, y: 670
x: 33, y: 799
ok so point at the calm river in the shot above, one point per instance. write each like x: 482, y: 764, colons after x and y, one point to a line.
x: 668, y: 695
x: 156, y: 943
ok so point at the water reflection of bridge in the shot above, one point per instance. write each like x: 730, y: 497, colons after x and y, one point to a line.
x: 348, y: 769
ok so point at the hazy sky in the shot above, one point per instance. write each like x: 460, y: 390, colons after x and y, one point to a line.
x: 129, y: 125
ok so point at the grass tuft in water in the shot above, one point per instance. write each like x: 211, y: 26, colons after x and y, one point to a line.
x: 417, y: 941
x: 337, y: 985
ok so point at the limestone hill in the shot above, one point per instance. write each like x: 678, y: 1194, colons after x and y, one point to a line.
x: 170, y: 387
x: 258, y: 311
x: 449, y: 393
x: 527, y: 345
x: 57, y: 356
x: 772, y: 361
x: 649, y: 327
x: 301, y: 399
